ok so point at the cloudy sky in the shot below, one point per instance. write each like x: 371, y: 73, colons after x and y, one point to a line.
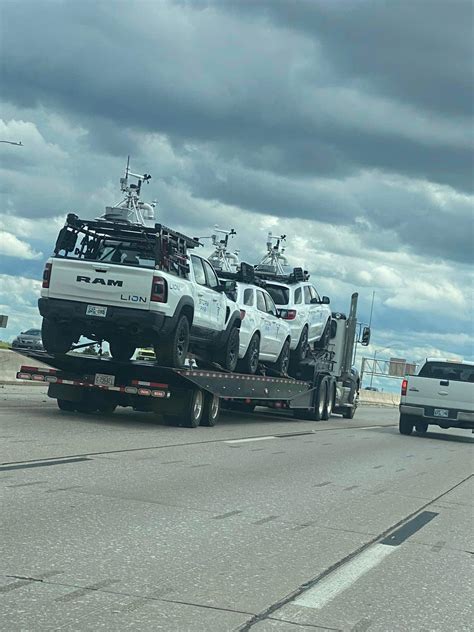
x: 346, y: 125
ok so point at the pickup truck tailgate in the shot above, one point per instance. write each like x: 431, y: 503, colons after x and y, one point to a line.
x: 100, y: 283
x: 439, y: 393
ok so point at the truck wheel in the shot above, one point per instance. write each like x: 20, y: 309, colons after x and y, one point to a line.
x: 331, y: 394
x: 348, y: 413
x: 301, y: 351
x: 212, y: 409
x: 283, y: 363
x: 421, y: 427
x: 66, y: 405
x: 55, y: 337
x: 173, y: 352
x: 249, y: 363
x: 121, y: 350
x: 230, y: 355
x: 320, y: 400
x: 405, y: 425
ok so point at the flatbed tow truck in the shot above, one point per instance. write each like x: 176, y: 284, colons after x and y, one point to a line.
x: 324, y: 383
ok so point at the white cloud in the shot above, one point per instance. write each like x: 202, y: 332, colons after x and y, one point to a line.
x: 11, y: 246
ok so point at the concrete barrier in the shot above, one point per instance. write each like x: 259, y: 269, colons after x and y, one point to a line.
x: 375, y: 398
x: 10, y: 363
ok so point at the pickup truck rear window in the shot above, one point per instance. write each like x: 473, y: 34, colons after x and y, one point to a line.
x: 448, y: 371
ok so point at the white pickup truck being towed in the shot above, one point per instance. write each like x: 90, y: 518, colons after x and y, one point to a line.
x: 136, y: 286
x: 441, y: 394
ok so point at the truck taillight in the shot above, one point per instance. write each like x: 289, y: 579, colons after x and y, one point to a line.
x: 404, y: 387
x: 242, y: 314
x: 159, y: 290
x: 288, y: 314
x: 47, y: 274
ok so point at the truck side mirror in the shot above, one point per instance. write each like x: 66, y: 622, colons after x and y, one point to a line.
x: 365, y: 336
x: 325, y: 300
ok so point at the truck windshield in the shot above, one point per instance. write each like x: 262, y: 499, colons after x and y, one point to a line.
x: 448, y: 371
x: 279, y: 294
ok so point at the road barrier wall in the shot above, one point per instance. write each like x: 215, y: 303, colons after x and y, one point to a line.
x: 375, y: 398
x: 10, y: 363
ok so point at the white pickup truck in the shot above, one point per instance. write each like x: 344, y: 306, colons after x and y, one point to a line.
x: 135, y: 286
x: 441, y: 394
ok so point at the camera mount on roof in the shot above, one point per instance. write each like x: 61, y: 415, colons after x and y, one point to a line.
x: 131, y: 209
x: 221, y: 258
x: 274, y: 265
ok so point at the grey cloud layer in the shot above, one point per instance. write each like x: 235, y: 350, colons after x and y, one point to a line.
x: 295, y: 109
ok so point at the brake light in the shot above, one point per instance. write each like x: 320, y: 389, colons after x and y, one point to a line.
x: 288, y: 314
x: 404, y: 387
x: 47, y: 274
x: 242, y: 314
x: 159, y: 290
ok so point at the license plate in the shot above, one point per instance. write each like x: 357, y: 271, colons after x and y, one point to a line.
x: 102, y: 379
x: 441, y: 412
x: 96, y: 310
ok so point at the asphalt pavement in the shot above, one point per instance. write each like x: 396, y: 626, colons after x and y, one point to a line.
x: 262, y: 523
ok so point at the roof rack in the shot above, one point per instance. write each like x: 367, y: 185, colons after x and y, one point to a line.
x: 167, y: 247
x: 245, y: 274
x: 296, y: 276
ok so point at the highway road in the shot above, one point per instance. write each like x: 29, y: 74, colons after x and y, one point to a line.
x: 263, y: 523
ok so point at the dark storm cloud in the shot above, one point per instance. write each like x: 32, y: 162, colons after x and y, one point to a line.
x: 284, y: 103
x: 417, y: 51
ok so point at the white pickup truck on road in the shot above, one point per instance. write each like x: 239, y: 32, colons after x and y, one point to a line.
x: 135, y: 286
x: 441, y: 394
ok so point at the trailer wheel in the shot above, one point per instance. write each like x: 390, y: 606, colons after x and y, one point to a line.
x: 66, y: 405
x: 212, y: 409
x: 173, y: 352
x: 405, y: 425
x: 194, y: 410
x: 331, y: 394
x: 56, y: 339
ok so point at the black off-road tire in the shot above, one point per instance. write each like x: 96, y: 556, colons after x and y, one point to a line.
x: 122, y: 350
x: 56, y: 338
x: 229, y: 356
x: 323, y: 342
x: 249, y: 363
x: 421, y: 427
x: 405, y: 425
x: 301, y: 351
x: 173, y: 352
x: 212, y: 410
x: 283, y: 363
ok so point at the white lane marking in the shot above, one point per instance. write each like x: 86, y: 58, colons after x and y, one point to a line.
x: 368, y: 427
x: 335, y: 583
x: 250, y: 439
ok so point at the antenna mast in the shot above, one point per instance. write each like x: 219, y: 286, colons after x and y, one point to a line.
x: 274, y: 261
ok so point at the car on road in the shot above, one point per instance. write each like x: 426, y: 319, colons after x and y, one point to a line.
x: 441, y: 394
x: 264, y: 335
x: 29, y: 339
